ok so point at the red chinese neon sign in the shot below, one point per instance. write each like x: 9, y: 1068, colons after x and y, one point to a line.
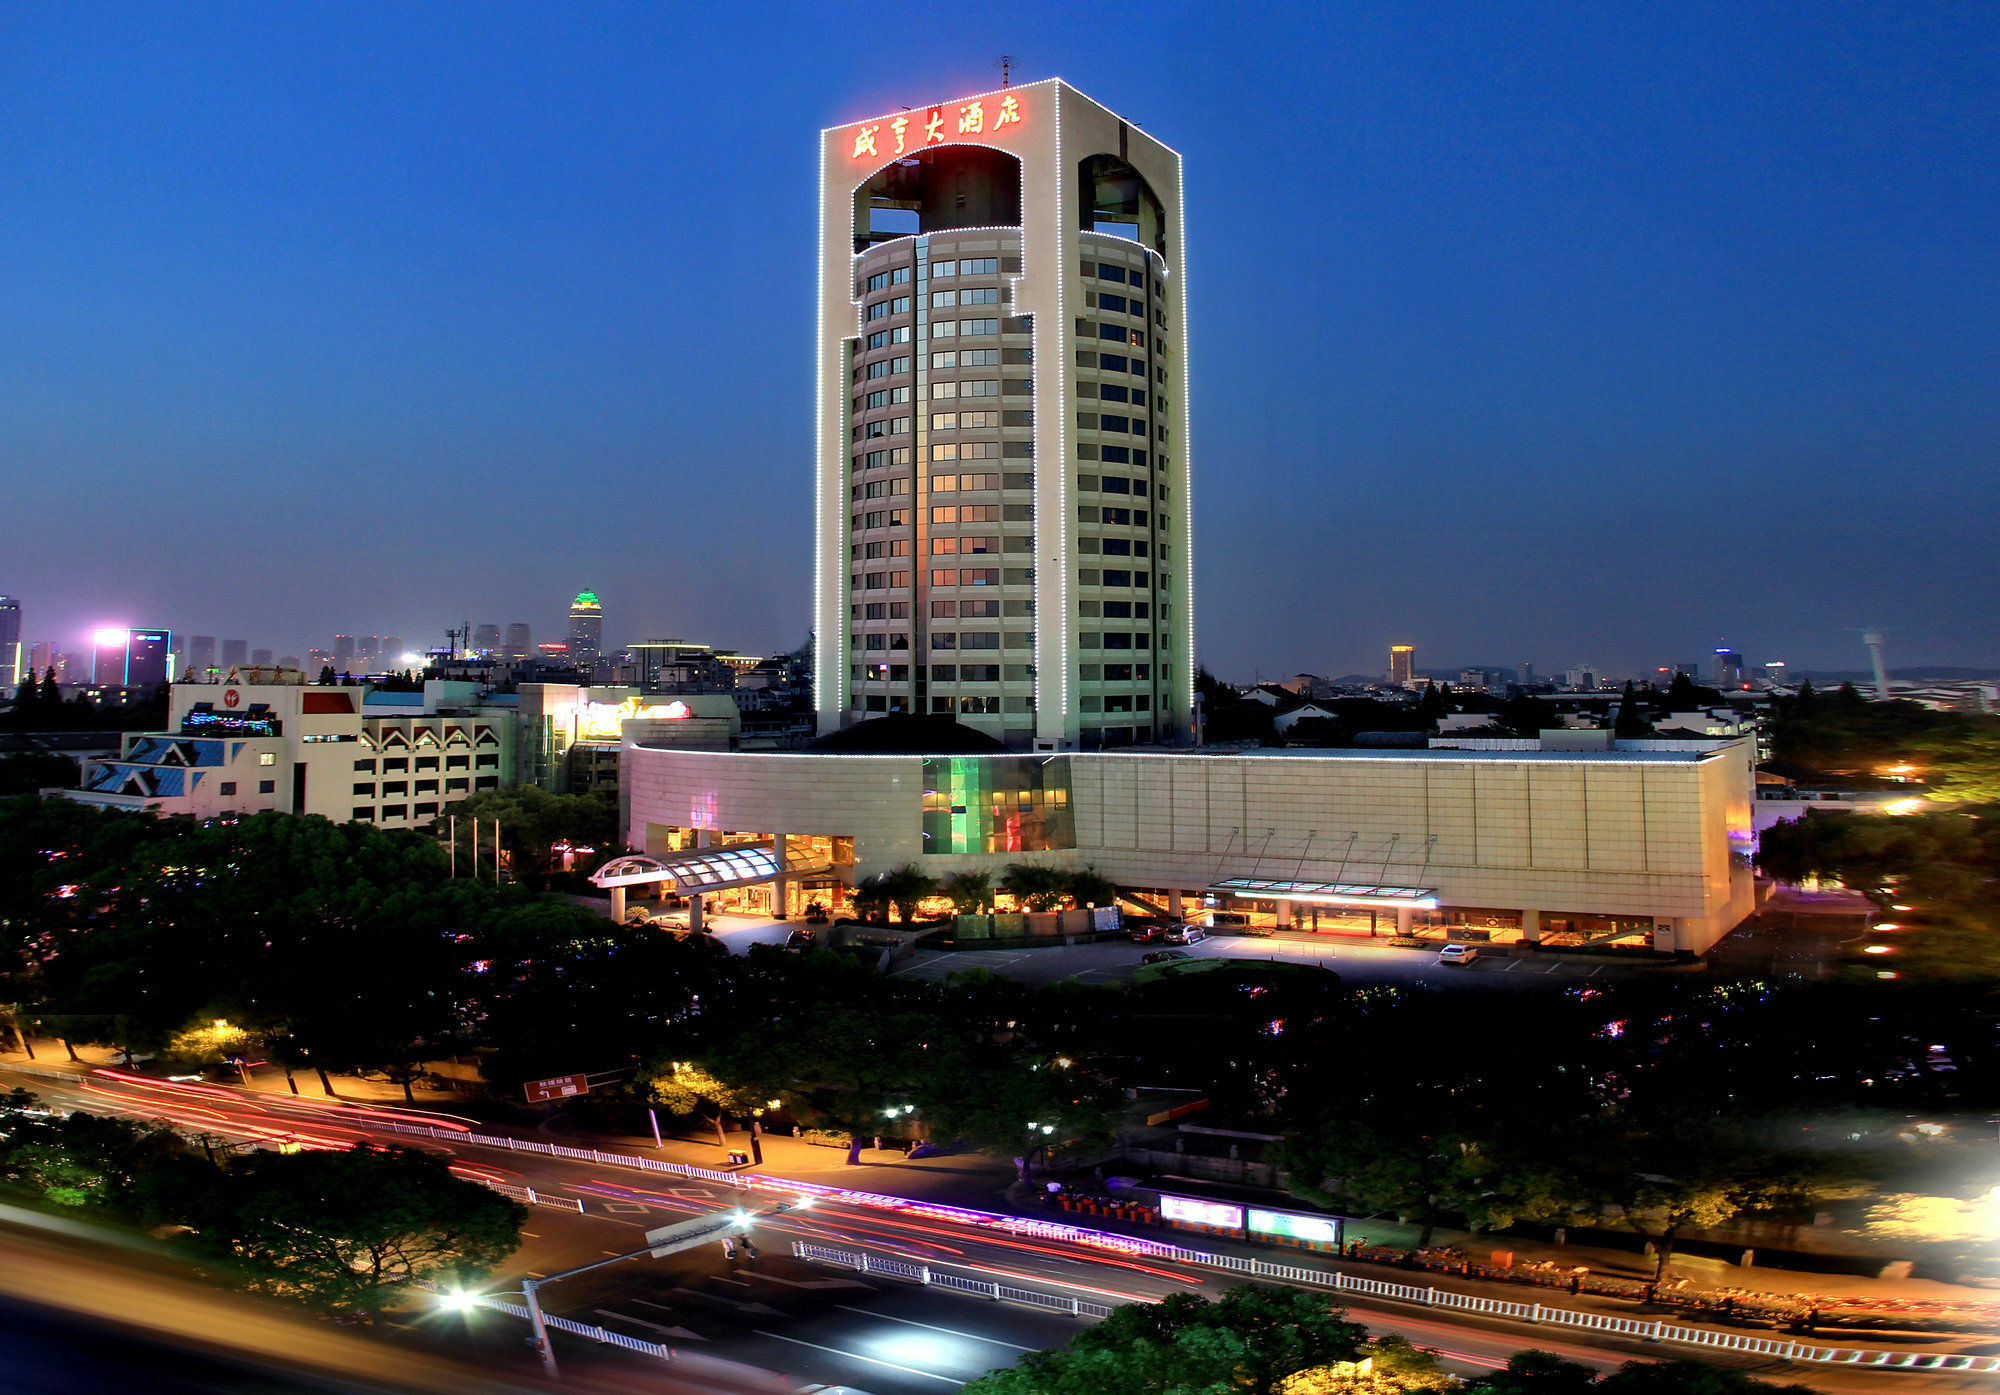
x: 900, y: 135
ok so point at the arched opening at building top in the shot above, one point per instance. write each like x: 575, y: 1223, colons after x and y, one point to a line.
x: 1114, y: 198
x: 934, y: 190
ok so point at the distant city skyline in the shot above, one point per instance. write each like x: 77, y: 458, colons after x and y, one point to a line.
x: 1612, y: 336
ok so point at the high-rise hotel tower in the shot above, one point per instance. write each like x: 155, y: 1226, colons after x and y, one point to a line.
x: 1002, y: 506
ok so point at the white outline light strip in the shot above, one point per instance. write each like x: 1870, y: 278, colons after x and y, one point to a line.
x: 1065, y: 536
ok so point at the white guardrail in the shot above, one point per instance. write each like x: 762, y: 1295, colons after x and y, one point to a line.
x: 937, y: 1278
x: 1660, y: 1330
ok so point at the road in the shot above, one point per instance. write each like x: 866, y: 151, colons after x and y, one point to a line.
x: 811, y: 1322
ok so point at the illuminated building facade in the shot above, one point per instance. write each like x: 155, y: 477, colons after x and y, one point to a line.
x: 10, y: 642
x: 1001, y: 512
x: 586, y: 630
x: 1642, y: 842
x: 571, y: 735
x: 1402, y: 663
x: 398, y: 760
x: 132, y: 658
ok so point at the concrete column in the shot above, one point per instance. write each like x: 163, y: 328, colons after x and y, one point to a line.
x: 618, y: 904
x: 1406, y: 917
x: 778, y: 886
x: 1284, y: 915
x: 1531, y: 926
x: 1174, y: 904
x: 694, y: 912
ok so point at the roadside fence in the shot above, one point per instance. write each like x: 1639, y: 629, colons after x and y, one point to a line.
x: 533, y: 1197
x: 933, y: 1277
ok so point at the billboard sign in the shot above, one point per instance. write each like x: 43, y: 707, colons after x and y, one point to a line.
x: 1318, y: 1229
x: 1194, y: 1212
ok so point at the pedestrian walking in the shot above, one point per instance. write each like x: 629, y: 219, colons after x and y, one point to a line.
x: 729, y: 1248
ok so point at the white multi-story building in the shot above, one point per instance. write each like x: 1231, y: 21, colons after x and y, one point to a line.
x: 1002, y: 502
x: 348, y: 752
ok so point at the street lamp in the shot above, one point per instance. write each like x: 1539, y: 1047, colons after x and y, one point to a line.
x: 660, y: 1243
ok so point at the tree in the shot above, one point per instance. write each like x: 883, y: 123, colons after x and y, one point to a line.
x: 30, y: 771
x: 1685, y: 695
x: 871, y: 897
x: 1631, y: 723
x: 1688, y: 1378
x: 78, y: 1160
x: 1965, y: 765
x: 969, y: 892
x: 533, y: 824
x: 1252, y: 1339
x: 325, y: 675
x: 1431, y: 706
x: 1090, y: 887
x: 1526, y: 715
x: 1389, y: 1364
x: 1034, y: 887
x: 686, y: 1087
x: 907, y: 888
x: 1685, y: 1172
x: 1533, y: 1372
x: 1005, y: 1100
x: 347, y: 1231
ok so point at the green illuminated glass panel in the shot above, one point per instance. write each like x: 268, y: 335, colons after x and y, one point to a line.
x: 997, y: 804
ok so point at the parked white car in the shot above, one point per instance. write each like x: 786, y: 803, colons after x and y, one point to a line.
x: 1457, y: 954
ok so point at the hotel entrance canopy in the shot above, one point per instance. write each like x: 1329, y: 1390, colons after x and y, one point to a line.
x: 709, y: 869
x: 1328, y: 893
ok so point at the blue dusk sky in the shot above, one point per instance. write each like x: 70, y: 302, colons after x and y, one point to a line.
x: 1586, y: 332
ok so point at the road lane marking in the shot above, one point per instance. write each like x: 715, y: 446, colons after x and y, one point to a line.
x: 974, y: 1336
x: 1512, y: 965
x: 857, y: 1356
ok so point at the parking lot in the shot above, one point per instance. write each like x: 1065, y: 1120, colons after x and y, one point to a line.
x: 1358, y: 963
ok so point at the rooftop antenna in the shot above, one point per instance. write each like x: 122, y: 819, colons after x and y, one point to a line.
x: 1006, y: 66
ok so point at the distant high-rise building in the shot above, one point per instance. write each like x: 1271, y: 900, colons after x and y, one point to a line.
x: 518, y: 642
x: 1402, y: 661
x: 343, y: 652
x: 260, y: 657
x: 108, y: 652
x: 200, y: 655
x: 137, y: 658
x: 289, y: 661
x: 235, y: 653
x: 1776, y: 674
x: 42, y: 657
x: 392, y: 649
x: 486, y: 639
x: 370, y: 647
x: 10, y: 642
x: 1728, y: 669
x: 586, y: 630
x: 1583, y: 678
x: 1527, y: 674
x: 146, y: 661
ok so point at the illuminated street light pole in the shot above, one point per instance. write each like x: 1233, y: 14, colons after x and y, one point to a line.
x: 667, y: 1240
